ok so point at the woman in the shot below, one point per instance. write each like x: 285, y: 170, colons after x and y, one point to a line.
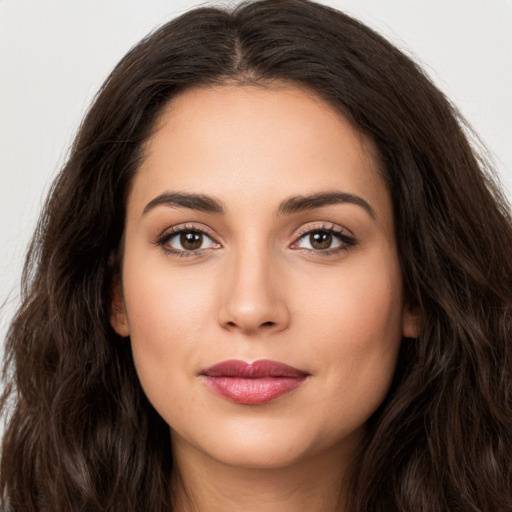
x: 272, y: 276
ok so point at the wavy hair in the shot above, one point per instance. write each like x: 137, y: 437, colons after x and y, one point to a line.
x: 80, y: 433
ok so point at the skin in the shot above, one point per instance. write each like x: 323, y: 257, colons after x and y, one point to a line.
x: 259, y: 289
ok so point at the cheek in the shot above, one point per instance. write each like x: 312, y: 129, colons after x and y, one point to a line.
x: 162, y: 308
x: 359, y: 308
x: 167, y: 316
x: 357, y: 332
x: 164, y: 300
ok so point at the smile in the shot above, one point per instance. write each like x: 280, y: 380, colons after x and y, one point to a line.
x: 254, y: 383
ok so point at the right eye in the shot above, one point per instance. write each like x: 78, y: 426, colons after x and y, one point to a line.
x: 186, y: 242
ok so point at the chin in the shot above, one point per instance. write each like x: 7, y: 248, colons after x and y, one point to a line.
x: 265, y: 444
x: 259, y: 455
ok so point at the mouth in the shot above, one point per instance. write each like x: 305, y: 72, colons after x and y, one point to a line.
x: 254, y: 383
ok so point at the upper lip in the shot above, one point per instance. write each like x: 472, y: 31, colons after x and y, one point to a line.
x: 263, y: 368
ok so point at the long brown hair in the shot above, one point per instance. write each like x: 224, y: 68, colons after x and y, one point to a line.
x: 81, y: 434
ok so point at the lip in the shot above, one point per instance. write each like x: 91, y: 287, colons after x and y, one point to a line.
x: 254, y: 383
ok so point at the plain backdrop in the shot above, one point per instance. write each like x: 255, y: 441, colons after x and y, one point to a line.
x: 54, y: 55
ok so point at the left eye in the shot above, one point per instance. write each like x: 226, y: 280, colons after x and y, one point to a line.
x: 190, y: 241
x: 320, y: 240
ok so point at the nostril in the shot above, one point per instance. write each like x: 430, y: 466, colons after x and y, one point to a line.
x: 268, y: 324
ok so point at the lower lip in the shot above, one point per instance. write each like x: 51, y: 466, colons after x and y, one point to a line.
x: 253, y: 391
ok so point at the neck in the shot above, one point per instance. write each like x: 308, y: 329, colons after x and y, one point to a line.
x: 203, y: 484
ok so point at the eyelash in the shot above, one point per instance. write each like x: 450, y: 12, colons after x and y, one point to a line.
x: 346, y: 241
x: 168, y: 235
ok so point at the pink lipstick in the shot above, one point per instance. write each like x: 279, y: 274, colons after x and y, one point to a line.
x: 252, y: 383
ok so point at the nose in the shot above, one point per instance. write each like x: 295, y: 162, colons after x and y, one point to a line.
x: 253, y: 298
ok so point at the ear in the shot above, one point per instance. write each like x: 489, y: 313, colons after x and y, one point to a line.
x: 411, y: 321
x: 118, y: 316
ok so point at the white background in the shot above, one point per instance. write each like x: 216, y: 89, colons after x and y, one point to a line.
x: 54, y: 54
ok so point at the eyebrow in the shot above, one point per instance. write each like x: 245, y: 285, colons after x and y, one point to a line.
x: 208, y: 204
x: 198, y: 202
x: 302, y: 203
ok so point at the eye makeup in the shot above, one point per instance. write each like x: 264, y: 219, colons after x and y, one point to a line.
x: 191, y: 238
x: 323, y: 239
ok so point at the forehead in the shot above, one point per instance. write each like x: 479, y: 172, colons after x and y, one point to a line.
x: 242, y: 143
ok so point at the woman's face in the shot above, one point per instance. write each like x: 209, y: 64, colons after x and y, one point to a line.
x: 258, y: 228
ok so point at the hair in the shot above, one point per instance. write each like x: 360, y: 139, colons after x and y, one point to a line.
x: 80, y: 433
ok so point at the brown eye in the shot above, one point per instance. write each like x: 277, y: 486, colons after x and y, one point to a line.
x: 187, y: 241
x: 320, y: 240
x: 191, y: 241
x: 324, y: 241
